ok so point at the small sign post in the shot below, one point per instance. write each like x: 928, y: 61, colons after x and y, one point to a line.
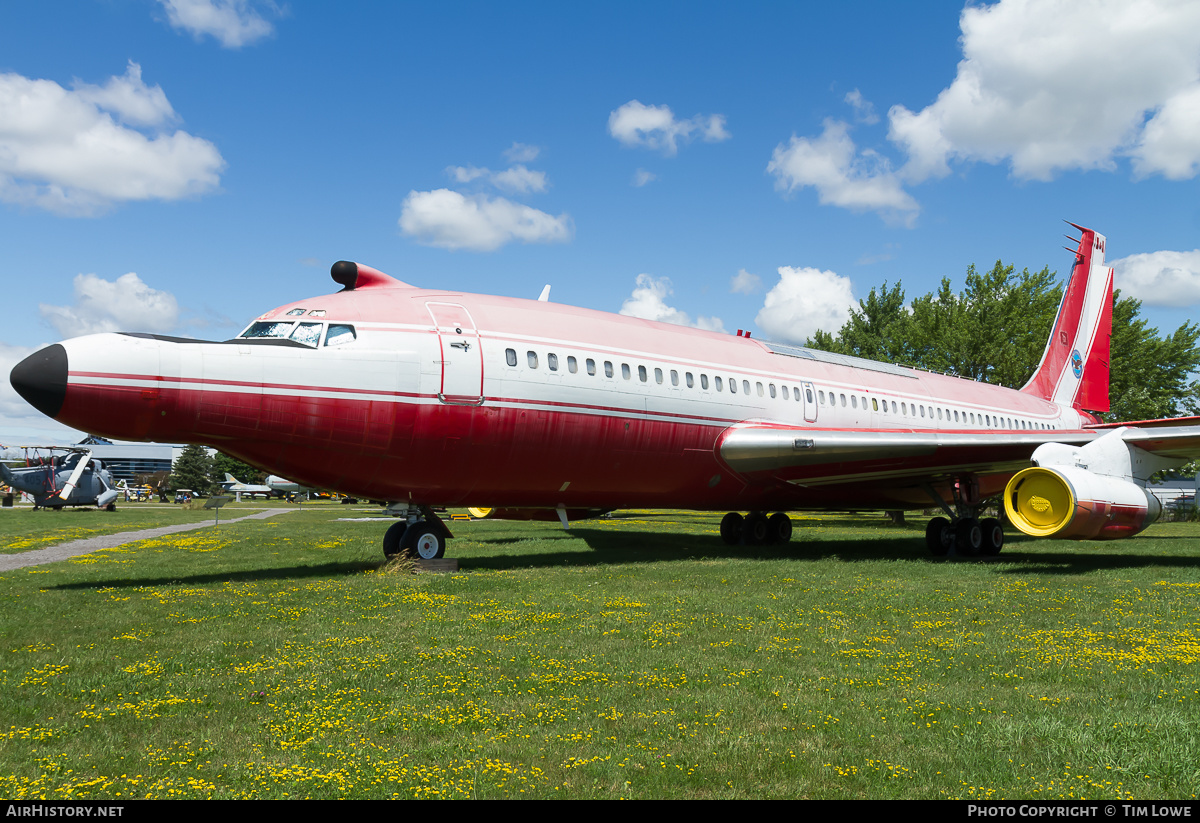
x: 215, y: 503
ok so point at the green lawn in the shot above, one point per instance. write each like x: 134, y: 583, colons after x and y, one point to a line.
x: 636, y: 656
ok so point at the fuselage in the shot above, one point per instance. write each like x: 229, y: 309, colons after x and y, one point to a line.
x: 445, y: 398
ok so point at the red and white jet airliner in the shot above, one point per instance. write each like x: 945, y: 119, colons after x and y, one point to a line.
x: 429, y: 397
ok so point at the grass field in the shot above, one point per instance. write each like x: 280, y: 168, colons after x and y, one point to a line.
x: 636, y: 656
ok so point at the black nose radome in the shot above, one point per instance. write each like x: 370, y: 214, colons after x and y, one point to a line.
x: 41, y: 378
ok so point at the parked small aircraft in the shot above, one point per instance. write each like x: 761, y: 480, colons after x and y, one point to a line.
x: 70, y: 479
x: 440, y: 398
x: 232, y: 484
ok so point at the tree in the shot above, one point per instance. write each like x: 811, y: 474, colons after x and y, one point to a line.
x: 191, y: 470
x: 995, y: 330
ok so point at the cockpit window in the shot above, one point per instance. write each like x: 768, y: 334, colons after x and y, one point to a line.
x: 339, y: 334
x: 270, y: 328
x: 308, y: 333
x: 295, y: 312
x: 317, y: 313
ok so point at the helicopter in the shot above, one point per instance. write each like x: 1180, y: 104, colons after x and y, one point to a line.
x: 74, y: 478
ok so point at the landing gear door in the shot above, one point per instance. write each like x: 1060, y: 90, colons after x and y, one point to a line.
x: 461, y: 354
x: 810, y: 402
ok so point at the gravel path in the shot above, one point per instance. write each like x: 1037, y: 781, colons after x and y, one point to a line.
x: 74, y: 548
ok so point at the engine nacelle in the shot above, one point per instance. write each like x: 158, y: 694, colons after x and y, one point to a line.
x: 1071, y: 502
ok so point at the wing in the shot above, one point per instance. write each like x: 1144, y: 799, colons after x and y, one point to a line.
x: 898, y: 467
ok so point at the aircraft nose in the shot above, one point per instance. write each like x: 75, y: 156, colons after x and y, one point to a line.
x: 41, y: 378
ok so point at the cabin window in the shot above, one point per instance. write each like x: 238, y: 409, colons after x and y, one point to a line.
x: 510, y: 356
x: 675, y: 378
x: 272, y: 328
x: 864, y: 403
x: 339, y: 334
x: 853, y: 402
x: 807, y: 393
x: 972, y: 418
x: 572, y: 364
x: 531, y: 358
x: 308, y: 333
x: 760, y: 389
x: 691, y: 382
x: 625, y: 372
x: 922, y: 411
x: 591, y: 366
x: 552, y: 361
x: 939, y: 414
x: 608, y: 368
x: 822, y: 397
x: 642, y: 373
x: 658, y: 376
x: 733, y: 387
x: 874, y: 404
x: 843, y: 398
x: 716, y: 383
x: 746, y: 387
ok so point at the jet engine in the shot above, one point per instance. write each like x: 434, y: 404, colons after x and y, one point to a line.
x: 1091, y: 492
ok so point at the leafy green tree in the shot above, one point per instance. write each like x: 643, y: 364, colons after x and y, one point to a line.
x: 995, y: 330
x: 191, y: 470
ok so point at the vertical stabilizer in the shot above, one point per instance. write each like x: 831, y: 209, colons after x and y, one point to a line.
x: 1074, y: 367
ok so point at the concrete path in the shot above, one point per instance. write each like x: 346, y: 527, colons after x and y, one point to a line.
x: 74, y: 548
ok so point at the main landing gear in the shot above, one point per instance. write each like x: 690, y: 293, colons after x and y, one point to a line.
x: 964, y: 532
x: 756, y: 529
x: 419, y: 534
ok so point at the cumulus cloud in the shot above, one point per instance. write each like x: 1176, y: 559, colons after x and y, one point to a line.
x: 451, y: 220
x: 841, y: 174
x: 641, y: 177
x: 1160, y: 278
x: 124, y: 304
x: 1052, y: 86
x: 522, y: 153
x: 232, y: 23
x: 516, y: 179
x: 803, y: 301
x: 745, y: 283
x: 648, y: 301
x: 864, y: 110
x: 655, y: 127
x: 78, y: 152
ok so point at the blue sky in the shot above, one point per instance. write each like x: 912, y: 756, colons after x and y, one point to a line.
x: 180, y: 166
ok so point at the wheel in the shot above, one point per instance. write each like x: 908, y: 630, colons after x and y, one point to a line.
x: 111, y: 507
x: 757, y: 529
x: 424, y: 540
x: 993, y: 537
x: 968, y: 537
x: 938, y: 536
x: 731, y: 528
x: 779, y: 528
x: 393, y: 538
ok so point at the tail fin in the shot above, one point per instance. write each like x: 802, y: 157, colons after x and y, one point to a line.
x: 1074, y: 367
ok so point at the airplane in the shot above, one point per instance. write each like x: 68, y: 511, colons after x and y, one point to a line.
x: 232, y: 484
x: 435, y: 397
x: 71, y: 479
x: 282, y: 487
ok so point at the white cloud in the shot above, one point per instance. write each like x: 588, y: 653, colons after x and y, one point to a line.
x: 803, y: 301
x: 1160, y: 278
x: 842, y: 176
x: 641, y: 177
x: 1050, y: 85
x: 517, y: 179
x: 126, y: 304
x: 451, y: 220
x: 233, y: 23
x: 522, y: 153
x: 63, y: 151
x: 745, y: 283
x: 864, y: 110
x: 655, y: 127
x: 648, y: 301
